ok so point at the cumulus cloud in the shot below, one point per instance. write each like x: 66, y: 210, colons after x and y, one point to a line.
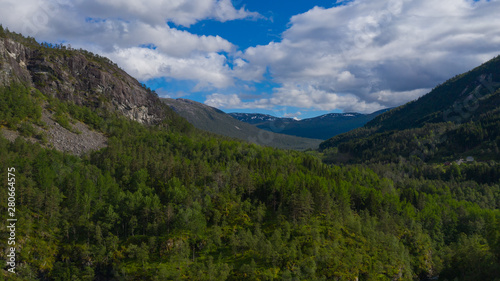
x: 309, y: 96
x: 234, y: 101
x: 366, y: 55
x: 292, y: 115
x: 302, y: 96
x: 145, y: 64
x: 135, y: 34
x: 360, y: 56
x: 156, y: 12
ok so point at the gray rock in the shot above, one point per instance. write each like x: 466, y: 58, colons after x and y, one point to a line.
x: 79, y: 77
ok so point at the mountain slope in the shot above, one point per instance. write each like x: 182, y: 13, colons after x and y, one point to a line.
x: 457, y: 100
x: 69, y: 92
x: 255, y: 118
x: 458, y: 118
x: 77, y: 76
x: 321, y: 127
x: 213, y: 120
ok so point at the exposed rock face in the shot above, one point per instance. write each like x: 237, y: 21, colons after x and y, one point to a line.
x: 86, y: 140
x: 13, y: 62
x: 82, y: 78
x: 63, y: 140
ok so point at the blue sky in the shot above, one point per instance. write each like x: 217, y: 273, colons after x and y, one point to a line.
x: 268, y: 27
x: 286, y: 58
x: 275, y: 16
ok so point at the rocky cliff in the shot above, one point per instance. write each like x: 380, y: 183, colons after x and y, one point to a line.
x: 78, y: 76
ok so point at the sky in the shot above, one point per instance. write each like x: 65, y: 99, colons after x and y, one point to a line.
x: 284, y: 58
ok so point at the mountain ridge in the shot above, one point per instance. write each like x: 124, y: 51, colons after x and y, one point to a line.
x: 77, y: 76
x: 458, y: 118
x: 213, y: 120
x: 452, y: 100
x: 70, y: 92
x: 321, y: 127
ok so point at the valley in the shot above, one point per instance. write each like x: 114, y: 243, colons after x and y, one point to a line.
x: 177, y: 190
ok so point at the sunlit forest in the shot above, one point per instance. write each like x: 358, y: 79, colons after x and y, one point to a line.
x: 169, y: 202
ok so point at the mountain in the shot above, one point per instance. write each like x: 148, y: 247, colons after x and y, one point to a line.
x: 458, y: 118
x: 213, y: 120
x: 458, y: 100
x: 77, y: 76
x: 256, y: 118
x: 321, y: 127
x: 44, y: 75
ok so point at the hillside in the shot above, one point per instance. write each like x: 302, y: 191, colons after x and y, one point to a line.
x: 321, y: 127
x: 256, y: 118
x: 458, y: 100
x: 43, y: 75
x: 213, y: 120
x: 77, y: 76
x: 457, y: 119
x: 162, y: 200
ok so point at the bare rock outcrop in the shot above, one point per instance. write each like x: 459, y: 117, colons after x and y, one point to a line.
x: 80, y: 141
x: 80, y: 77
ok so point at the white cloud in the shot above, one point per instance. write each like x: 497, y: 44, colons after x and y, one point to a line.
x: 135, y: 34
x: 301, y: 96
x: 392, y: 99
x: 233, y: 101
x: 142, y: 63
x: 156, y: 12
x: 309, y: 96
x: 361, y: 56
x: 366, y: 55
x: 170, y: 41
x: 293, y: 115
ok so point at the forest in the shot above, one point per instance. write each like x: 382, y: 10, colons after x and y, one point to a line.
x: 169, y: 202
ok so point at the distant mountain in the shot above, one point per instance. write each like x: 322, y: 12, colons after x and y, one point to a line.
x: 213, y: 120
x: 321, y: 127
x: 256, y: 118
x: 458, y: 118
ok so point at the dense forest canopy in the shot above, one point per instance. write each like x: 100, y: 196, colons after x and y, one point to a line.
x: 169, y: 202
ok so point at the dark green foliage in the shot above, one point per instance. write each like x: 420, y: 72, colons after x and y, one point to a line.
x: 26, y: 129
x: 471, y: 259
x: 62, y: 119
x: 439, y: 142
x: 18, y: 103
x: 158, y: 204
x: 2, y: 32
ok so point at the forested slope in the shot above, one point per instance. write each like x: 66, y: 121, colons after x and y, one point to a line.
x: 159, y: 204
x: 457, y: 119
x: 210, y: 119
x: 167, y: 202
